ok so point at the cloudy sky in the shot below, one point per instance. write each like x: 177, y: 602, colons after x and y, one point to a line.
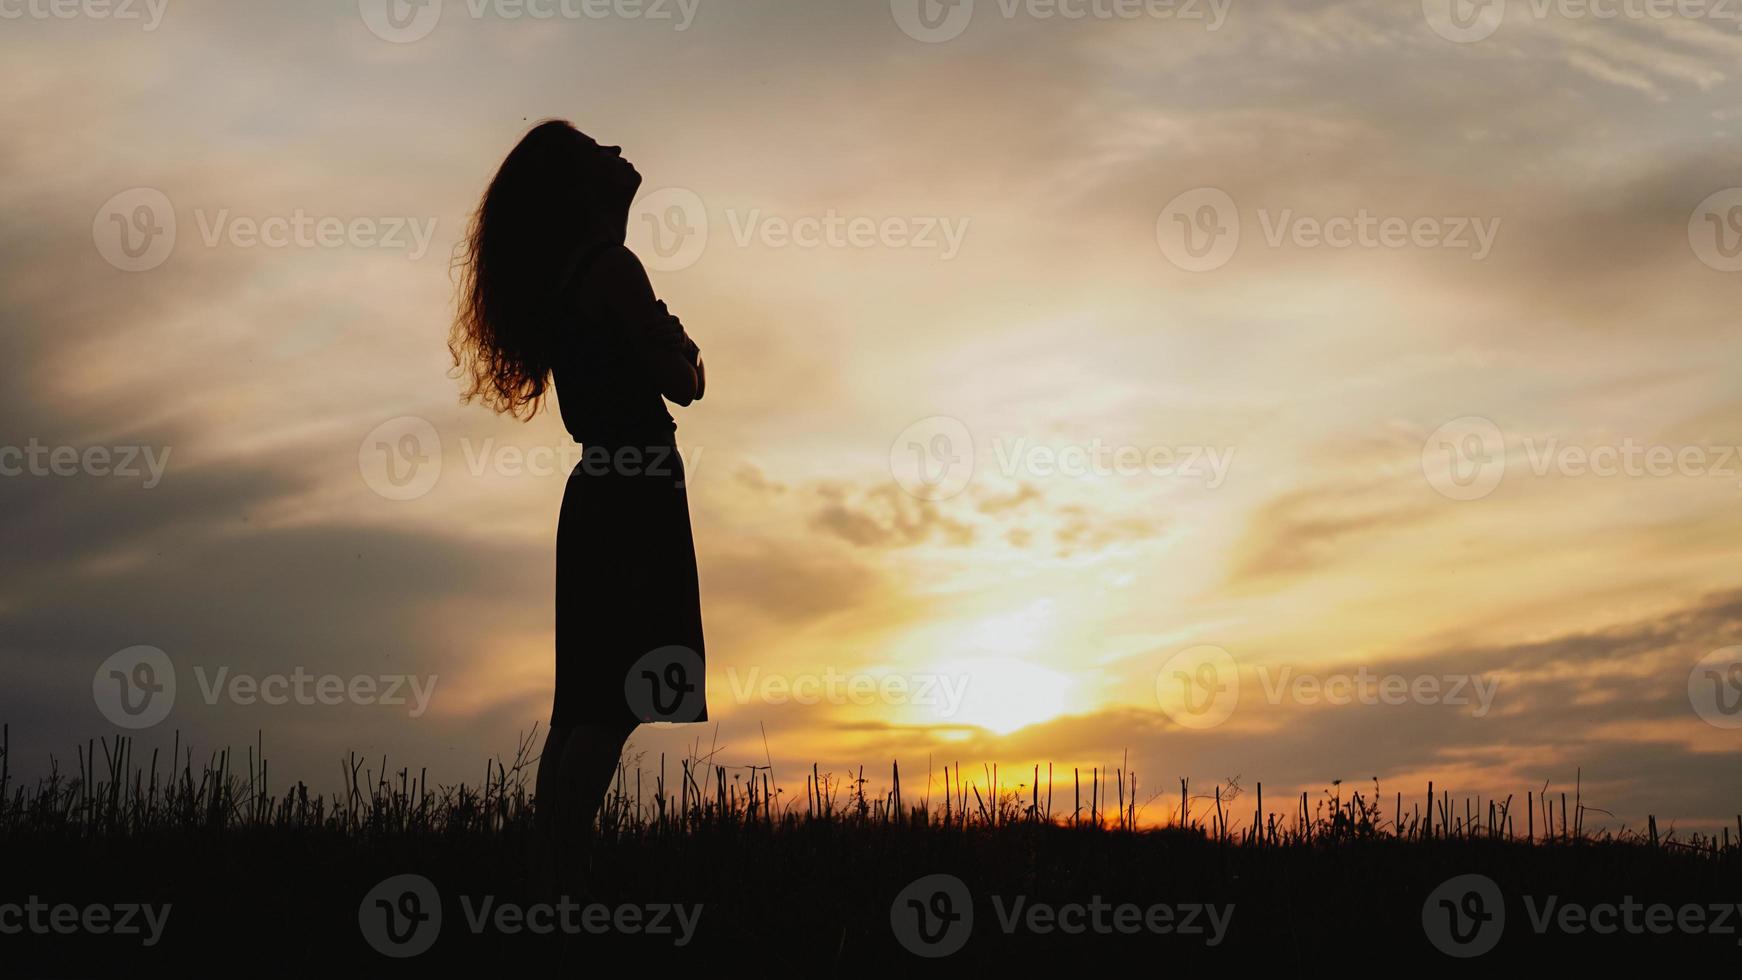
x: 1180, y: 380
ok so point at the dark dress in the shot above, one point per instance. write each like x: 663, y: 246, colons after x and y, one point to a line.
x: 628, y: 608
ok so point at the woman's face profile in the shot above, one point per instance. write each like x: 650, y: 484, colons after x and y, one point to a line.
x: 607, y: 165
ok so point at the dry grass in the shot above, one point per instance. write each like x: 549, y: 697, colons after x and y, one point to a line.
x: 789, y: 881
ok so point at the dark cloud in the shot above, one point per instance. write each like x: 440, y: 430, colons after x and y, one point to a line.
x: 1304, y: 530
x: 1084, y: 529
x: 882, y: 516
x: 885, y: 516
x: 787, y: 586
x: 998, y: 504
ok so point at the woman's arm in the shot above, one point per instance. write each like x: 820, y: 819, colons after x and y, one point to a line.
x: 669, y: 354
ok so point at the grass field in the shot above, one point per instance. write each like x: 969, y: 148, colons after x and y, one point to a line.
x: 696, y: 867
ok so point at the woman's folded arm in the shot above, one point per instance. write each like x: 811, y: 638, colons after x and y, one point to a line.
x: 666, y: 350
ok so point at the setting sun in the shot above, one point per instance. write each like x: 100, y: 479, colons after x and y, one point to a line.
x: 1003, y: 694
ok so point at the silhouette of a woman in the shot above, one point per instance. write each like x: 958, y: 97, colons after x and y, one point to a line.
x: 550, y: 293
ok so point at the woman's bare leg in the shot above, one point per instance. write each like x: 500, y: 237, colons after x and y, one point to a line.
x: 546, y: 792
x: 574, y: 774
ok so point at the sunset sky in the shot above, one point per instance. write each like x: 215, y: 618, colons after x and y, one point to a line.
x: 970, y: 241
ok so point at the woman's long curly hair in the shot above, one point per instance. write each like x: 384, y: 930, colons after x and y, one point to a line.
x: 543, y: 205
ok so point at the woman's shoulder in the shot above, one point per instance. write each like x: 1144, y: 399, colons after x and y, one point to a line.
x: 609, y: 275
x: 620, y: 277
